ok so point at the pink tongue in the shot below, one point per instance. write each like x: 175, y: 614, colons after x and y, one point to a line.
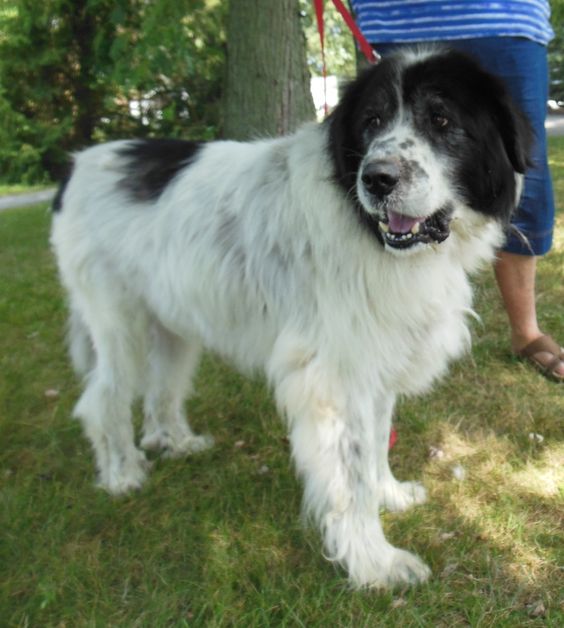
x: 399, y: 223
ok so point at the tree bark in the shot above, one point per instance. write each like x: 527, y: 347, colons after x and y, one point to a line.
x: 267, y: 89
x: 88, y: 95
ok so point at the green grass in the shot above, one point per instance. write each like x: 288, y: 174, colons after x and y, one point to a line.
x: 215, y: 540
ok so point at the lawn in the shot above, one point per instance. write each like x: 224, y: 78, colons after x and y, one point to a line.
x: 215, y: 539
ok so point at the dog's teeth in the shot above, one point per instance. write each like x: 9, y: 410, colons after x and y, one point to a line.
x: 384, y: 227
x: 415, y: 228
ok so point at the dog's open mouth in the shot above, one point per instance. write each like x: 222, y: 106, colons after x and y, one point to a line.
x: 401, y: 232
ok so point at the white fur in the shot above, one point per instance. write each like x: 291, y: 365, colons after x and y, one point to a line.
x: 253, y: 252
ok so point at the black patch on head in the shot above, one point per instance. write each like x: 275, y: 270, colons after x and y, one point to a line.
x: 463, y: 111
x: 151, y: 164
x: 467, y: 113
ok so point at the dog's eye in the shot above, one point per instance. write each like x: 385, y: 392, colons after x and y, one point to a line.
x: 373, y: 122
x: 439, y: 121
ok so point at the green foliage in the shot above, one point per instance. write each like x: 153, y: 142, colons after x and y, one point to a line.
x: 556, y: 51
x: 74, y: 72
x: 20, y: 159
x: 168, y: 60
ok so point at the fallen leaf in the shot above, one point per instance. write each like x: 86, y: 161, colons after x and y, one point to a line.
x: 449, y: 569
x: 536, y: 609
x: 446, y: 536
x: 436, y: 454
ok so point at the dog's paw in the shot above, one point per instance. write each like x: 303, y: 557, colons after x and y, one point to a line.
x: 406, y: 568
x: 176, y: 446
x: 156, y: 440
x: 356, y: 541
x: 399, y: 496
x: 189, y: 445
x: 402, y: 568
x: 124, y: 476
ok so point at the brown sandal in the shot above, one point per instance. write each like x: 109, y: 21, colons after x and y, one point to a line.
x: 548, y: 345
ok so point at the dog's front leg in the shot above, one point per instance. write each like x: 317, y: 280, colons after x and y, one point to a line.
x: 335, y: 448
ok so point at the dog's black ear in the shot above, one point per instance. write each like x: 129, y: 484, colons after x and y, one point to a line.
x: 337, y: 141
x: 373, y: 90
x: 345, y: 145
x: 516, y: 132
x: 491, y: 91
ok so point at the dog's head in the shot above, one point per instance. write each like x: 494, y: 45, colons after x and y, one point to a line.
x: 423, y: 137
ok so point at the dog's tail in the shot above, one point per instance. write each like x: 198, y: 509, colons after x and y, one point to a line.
x: 81, y: 348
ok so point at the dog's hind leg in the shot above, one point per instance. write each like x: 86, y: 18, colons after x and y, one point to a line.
x: 118, y: 337
x: 80, y: 343
x: 172, y: 364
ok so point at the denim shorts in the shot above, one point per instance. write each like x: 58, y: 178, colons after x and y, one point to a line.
x: 523, y: 65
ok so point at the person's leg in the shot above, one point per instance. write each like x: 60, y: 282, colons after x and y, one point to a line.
x: 515, y: 276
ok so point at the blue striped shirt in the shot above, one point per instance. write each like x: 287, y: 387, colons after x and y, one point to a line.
x: 436, y: 20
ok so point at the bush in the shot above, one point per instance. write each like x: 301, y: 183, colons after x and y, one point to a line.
x: 72, y: 73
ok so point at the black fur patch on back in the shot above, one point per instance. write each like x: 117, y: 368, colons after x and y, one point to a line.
x: 57, y: 204
x: 151, y: 164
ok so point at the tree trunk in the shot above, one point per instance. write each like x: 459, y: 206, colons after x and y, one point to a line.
x: 267, y: 88
x: 88, y: 96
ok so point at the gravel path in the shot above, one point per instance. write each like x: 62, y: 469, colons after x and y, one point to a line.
x: 22, y: 200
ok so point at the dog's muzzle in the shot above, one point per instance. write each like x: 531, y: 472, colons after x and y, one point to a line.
x: 380, y: 178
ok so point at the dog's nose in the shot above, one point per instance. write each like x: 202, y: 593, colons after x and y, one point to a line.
x: 380, y: 177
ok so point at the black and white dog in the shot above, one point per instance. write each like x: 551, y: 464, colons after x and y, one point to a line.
x: 335, y: 260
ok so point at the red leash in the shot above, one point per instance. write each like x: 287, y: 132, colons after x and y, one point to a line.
x: 371, y: 55
x: 393, y: 437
